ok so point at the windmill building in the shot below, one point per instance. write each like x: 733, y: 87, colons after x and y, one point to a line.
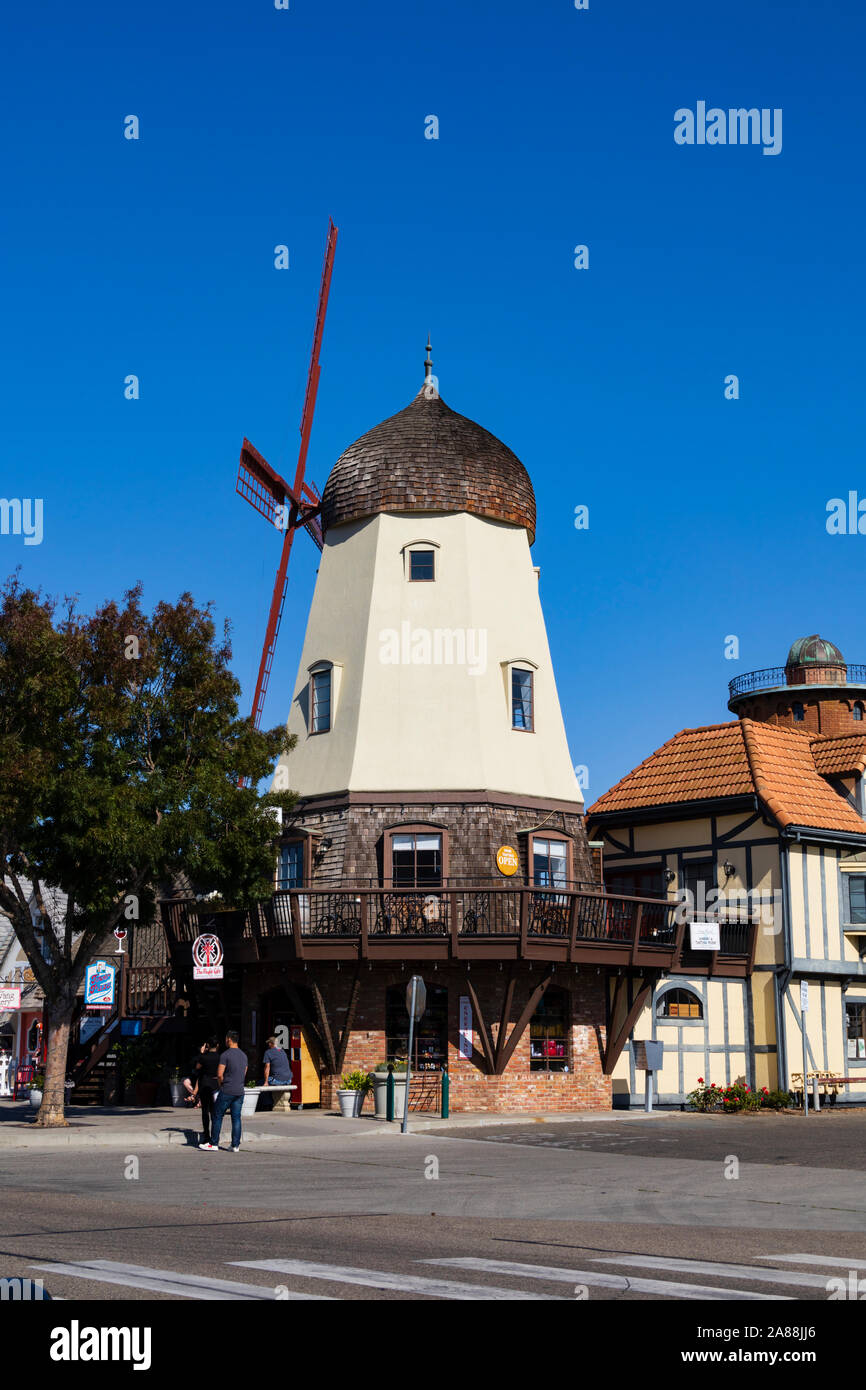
x: 440, y: 828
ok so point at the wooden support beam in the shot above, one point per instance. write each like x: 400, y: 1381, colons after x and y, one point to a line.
x: 635, y: 945
x: 482, y: 1028
x: 617, y: 1041
x: 306, y: 1019
x: 520, y: 1026
x: 324, y: 1028
x: 350, y: 1019
x: 503, y: 1022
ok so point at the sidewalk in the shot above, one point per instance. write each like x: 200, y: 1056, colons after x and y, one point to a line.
x: 95, y: 1126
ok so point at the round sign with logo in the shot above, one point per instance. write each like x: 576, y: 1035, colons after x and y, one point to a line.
x: 507, y: 861
x: 207, y: 957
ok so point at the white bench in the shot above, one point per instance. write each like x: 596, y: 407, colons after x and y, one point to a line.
x: 281, y: 1093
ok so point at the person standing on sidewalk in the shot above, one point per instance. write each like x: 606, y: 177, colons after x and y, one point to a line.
x: 207, y: 1085
x: 231, y: 1072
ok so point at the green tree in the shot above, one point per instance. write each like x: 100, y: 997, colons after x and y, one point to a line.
x: 122, y: 761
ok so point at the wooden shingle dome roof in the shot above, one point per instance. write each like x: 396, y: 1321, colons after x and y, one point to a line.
x: 427, y: 458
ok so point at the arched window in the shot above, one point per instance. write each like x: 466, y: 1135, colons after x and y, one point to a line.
x: 548, y: 1032
x: 857, y: 711
x: 798, y: 712
x: 679, y: 1003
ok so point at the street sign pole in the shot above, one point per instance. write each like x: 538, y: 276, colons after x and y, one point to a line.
x: 404, y: 1126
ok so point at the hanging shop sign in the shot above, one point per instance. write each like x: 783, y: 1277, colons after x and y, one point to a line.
x: 207, y: 957
x: 705, y: 936
x: 10, y: 997
x: 99, y: 983
x: 464, y: 1039
x: 507, y: 861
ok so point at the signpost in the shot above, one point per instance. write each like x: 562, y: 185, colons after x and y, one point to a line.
x: 100, y: 979
x: 207, y: 957
x: 464, y: 1040
x: 704, y: 936
x: 804, y: 1006
x: 648, y: 1057
x: 507, y: 861
x: 416, y: 1003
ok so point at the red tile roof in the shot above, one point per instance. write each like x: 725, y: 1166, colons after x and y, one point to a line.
x: 784, y: 767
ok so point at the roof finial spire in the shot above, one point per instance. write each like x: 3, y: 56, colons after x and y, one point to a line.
x: 428, y: 362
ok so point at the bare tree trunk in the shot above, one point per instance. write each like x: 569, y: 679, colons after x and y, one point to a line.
x: 58, y: 1021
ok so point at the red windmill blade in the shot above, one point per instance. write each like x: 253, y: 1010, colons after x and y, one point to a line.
x: 300, y: 505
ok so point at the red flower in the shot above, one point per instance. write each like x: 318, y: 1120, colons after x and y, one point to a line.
x: 700, y: 1081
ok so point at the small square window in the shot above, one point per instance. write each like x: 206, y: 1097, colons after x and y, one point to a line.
x: 422, y: 565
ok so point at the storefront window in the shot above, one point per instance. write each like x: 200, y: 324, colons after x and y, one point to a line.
x: 855, y: 1017
x: 430, y: 1039
x: 548, y: 1032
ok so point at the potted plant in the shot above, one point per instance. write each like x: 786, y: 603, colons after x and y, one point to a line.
x: 380, y: 1089
x: 36, y: 1088
x: 355, y: 1086
x: 176, y: 1086
x: 251, y: 1098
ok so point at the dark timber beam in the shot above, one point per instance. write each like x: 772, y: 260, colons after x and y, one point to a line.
x: 324, y: 1028
x: 503, y: 1022
x: 617, y: 1041
x: 520, y: 1026
x: 306, y: 1019
x: 350, y: 1019
x: 482, y: 1028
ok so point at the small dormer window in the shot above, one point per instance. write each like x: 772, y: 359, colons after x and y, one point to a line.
x: 320, y: 683
x: 522, y: 699
x: 422, y: 566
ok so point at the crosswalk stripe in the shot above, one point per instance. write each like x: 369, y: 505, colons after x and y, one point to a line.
x: 832, y: 1261
x: 402, y: 1283
x: 621, y: 1282
x: 168, y: 1281
x: 762, y: 1276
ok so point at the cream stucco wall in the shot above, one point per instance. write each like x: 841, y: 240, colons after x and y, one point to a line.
x: 418, y: 725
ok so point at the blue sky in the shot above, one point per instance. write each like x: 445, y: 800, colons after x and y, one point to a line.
x: 155, y: 257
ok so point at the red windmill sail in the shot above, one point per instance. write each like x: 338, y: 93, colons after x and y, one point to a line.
x: 300, y: 505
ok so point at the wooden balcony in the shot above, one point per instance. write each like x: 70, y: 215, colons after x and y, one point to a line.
x: 466, y: 923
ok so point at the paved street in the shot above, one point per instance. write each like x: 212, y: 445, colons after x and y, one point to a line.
x: 606, y: 1208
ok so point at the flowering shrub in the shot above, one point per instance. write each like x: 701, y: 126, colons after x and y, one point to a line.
x: 706, y: 1096
x: 736, y: 1097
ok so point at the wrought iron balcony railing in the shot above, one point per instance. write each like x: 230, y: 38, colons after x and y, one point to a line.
x: 774, y: 677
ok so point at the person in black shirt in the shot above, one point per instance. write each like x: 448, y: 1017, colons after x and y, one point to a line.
x: 207, y: 1085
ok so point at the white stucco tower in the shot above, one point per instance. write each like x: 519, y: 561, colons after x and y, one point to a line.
x: 426, y: 696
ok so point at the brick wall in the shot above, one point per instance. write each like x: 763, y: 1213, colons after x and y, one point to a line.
x: 822, y: 714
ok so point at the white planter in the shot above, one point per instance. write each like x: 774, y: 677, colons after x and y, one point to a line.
x: 380, y: 1094
x: 251, y: 1100
x: 35, y: 1098
x: 350, y: 1103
